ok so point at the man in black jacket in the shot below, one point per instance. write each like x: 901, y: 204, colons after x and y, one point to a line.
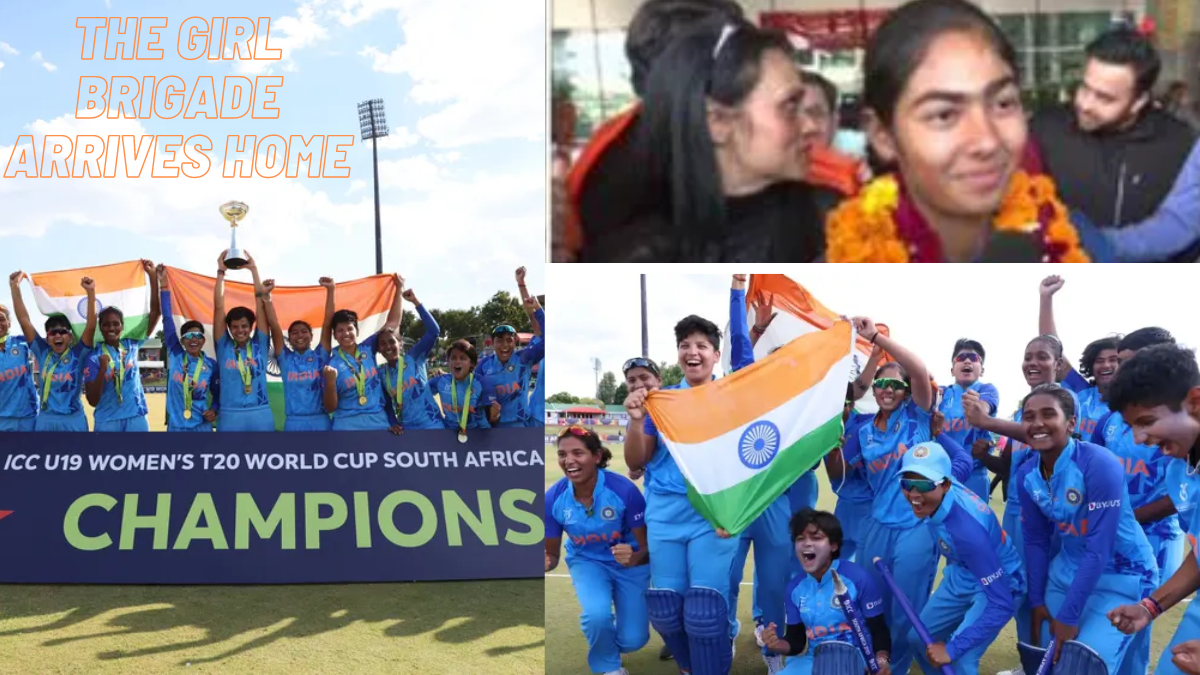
x: 1113, y: 156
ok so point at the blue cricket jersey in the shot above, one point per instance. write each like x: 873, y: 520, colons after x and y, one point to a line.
x: 133, y: 399
x: 618, y: 509
x: 347, y: 383
x: 955, y: 425
x: 303, y: 380
x: 18, y: 395
x: 67, y: 379
x: 537, y: 398
x: 509, y: 382
x: 1020, y: 453
x: 1091, y: 406
x: 1145, y: 470
x: 254, y: 356
x: 451, y: 414
x: 1183, y: 485
x: 180, y: 367
x: 970, y: 536
x: 1086, y: 502
x: 419, y: 410
x: 854, y: 486
x: 880, y: 453
x: 814, y: 604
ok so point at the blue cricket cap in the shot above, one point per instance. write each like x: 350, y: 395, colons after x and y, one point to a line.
x: 927, y: 459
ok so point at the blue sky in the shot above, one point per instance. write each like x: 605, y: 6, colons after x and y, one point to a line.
x: 462, y: 176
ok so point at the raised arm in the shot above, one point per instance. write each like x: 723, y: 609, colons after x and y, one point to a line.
x: 397, y: 310
x: 741, y: 349
x: 89, y: 329
x: 219, y: 300
x: 155, y: 307
x: 918, y: 374
x: 268, y: 306
x: 524, y: 291
x: 170, y: 336
x: 536, y: 350
x: 862, y: 384
x: 326, y: 329
x: 1049, y: 286
x: 329, y: 398
x: 14, y: 285
x: 420, y: 351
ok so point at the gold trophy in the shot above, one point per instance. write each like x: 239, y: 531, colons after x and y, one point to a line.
x: 233, y: 212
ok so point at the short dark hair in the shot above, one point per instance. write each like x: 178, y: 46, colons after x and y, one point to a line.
x: 239, y: 313
x: 899, y: 368
x: 967, y: 343
x: 298, y: 322
x: 111, y: 310
x: 825, y: 521
x: 1146, y: 337
x: 57, y: 321
x: 828, y: 89
x: 344, y: 316
x: 591, y: 440
x: 1065, y: 400
x: 693, y: 324
x: 466, y: 348
x: 1125, y: 46
x: 658, y: 22
x: 1092, y: 352
x: 1157, y: 375
x: 188, y: 325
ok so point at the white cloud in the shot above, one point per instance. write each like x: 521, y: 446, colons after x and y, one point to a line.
x: 447, y: 157
x: 355, y: 186
x: 413, y: 173
x: 37, y: 58
x: 1, y: 65
x: 357, y: 11
x: 289, y: 34
x: 8, y: 49
x: 399, y: 139
x: 493, y: 94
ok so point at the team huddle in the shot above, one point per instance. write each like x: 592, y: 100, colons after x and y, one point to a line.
x: 325, y: 386
x: 1097, y: 469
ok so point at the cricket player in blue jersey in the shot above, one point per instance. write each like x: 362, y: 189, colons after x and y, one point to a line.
x: 18, y: 393
x: 459, y: 391
x: 353, y: 391
x: 537, y: 397
x: 602, y: 513
x: 505, y: 374
x: 60, y: 363
x: 193, y: 398
x: 814, y: 614
x: 300, y: 367
x: 905, y: 396
x: 1158, y: 392
x: 768, y: 532
x: 1104, y: 560
x: 983, y: 580
x: 242, y: 353
x: 690, y: 563
x: 113, y: 382
x: 405, y: 376
x: 966, y: 367
x: 1099, y: 362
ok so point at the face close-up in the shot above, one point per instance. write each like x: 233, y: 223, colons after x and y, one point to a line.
x: 1104, y: 368
x: 240, y: 330
x: 460, y: 364
x: 821, y: 120
x: 1107, y: 96
x: 59, y: 339
x: 891, y: 395
x: 576, y: 461
x: 697, y: 357
x: 813, y: 549
x: 193, y: 341
x: 1046, y: 426
x: 504, y: 344
x: 389, y: 346
x: 967, y: 368
x: 111, y: 327
x: 767, y: 139
x: 640, y: 378
x: 922, y: 494
x: 1040, y: 364
x: 1175, y: 431
x: 300, y: 337
x: 959, y: 131
x: 346, y: 335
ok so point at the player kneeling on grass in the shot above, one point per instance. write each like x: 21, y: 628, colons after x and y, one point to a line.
x: 814, y: 614
x: 1158, y: 393
x: 983, y: 581
x: 603, y: 514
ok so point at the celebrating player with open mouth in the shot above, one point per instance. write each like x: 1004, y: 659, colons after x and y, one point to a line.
x: 192, y: 392
x: 353, y: 390
x: 114, y: 382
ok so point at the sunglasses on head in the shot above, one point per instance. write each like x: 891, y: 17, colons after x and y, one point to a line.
x: 639, y: 362
x: 58, y: 331
x: 573, y: 430
x: 922, y: 485
x: 193, y: 335
x: 967, y: 356
x: 504, y: 329
x: 890, y: 383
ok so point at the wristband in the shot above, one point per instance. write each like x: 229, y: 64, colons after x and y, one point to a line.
x: 874, y: 336
x: 758, y: 331
x: 1152, y: 607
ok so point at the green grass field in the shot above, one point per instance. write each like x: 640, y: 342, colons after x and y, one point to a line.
x: 482, y: 627
x: 566, y: 651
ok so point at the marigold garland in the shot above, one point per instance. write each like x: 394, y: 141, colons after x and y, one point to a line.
x: 879, y: 225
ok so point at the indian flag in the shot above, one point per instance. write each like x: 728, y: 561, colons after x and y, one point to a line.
x: 123, y: 285
x: 370, y: 298
x: 741, y: 441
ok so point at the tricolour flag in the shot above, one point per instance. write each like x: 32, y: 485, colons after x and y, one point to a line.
x: 370, y: 298
x: 742, y: 440
x: 123, y: 285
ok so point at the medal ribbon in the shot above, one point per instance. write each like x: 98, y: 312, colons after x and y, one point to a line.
x: 360, y: 376
x: 48, y: 373
x: 189, y: 382
x: 119, y: 376
x: 394, y: 389
x: 241, y: 363
x: 466, y: 398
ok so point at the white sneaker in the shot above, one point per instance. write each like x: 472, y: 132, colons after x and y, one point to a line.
x: 1017, y: 671
x: 621, y: 671
x: 774, y: 663
x: 758, y: 633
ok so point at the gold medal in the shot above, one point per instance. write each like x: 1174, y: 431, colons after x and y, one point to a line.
x: 187, y: 414
x: 247, y: 388
x: 462, y: 437
x: 362, y: 400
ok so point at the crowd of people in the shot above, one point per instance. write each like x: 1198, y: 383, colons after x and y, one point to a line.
x: 338, y: 384
x: 733, y: 154
x: 1096, y: 467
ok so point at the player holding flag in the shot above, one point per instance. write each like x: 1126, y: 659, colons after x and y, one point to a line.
x: 114, y: 383
x: 193, y: 375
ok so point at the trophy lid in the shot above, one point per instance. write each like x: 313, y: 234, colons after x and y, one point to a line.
x: 234, y: 211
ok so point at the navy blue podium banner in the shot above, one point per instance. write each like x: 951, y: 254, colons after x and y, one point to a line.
x: 179, y: 508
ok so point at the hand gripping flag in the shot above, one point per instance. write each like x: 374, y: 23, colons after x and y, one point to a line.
x: 742, y: 440
x: 121, y: 285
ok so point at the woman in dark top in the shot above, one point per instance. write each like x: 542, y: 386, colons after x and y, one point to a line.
x: 721, y: 139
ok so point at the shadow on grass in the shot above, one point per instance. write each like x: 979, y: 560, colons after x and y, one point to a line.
x: 450, y: 612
